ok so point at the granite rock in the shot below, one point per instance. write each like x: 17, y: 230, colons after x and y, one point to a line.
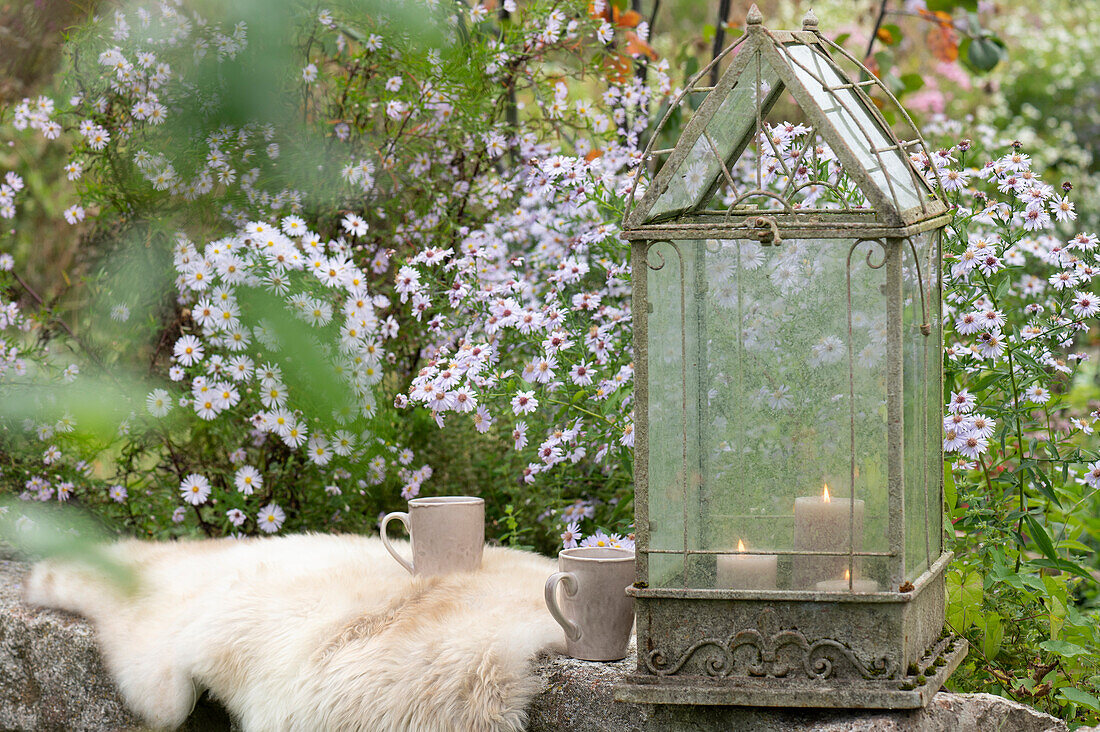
x: 51, y: 675
x: 52, y: 678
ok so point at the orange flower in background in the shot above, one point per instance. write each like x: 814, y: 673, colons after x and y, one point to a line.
x: 942, y: 38
x: 617, y: 67
x: 629, y: 19
x: 872, y: 65
x: 635, y: 46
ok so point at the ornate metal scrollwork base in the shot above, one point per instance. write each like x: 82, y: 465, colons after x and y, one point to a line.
x: 817, y: 660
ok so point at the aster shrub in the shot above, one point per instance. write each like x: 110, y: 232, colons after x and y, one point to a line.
x: 1022, y: 468
x: 275, y: 262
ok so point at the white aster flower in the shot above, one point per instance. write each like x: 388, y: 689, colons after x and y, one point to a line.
x: 270, y: 518
x: 195, y: 489
x: 248, y: 479
x: 188, y: 350
x: 158, y: 403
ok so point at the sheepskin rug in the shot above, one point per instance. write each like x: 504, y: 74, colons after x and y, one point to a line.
x: 315, y: 632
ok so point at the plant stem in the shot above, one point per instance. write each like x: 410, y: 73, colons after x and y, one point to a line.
x: 65, y: 326
x: 985, y: 470
x: 874, y: 33
x: 1015, y: 418
x: 580, y: 409
x: 719, y: 36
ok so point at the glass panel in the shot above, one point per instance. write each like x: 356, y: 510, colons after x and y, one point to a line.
x: 672, y: 417
x: 921, y: 377
x: 752, y: 409
x: 857, y: 126
x: 934, y: 403
x: 732, y: 123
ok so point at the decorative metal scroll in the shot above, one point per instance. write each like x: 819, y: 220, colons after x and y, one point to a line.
x: 778, y: 656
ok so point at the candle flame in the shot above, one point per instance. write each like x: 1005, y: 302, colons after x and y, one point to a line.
x: 847, y: 575
x: 740, y: 546
x: 825, y: 494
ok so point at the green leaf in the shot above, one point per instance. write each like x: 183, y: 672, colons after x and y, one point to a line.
x: 1064, y: 648
x: 1057, y: 617
x: 1041, y: 538
x: 1028, y: 360
x: 1044, y: 486
x: 950, y: 491
x: 1077, y: 696
x: 947, y: 6
x: 964, y: 597
x: 893, y: 32
x: 1064, y: 565
x: 912, y: 82
x: 307, y: 371
x: 986, y: 381
x: 893, y: 83
x: 982, y: 54
x: 64, y: 533
x: 992, y: 634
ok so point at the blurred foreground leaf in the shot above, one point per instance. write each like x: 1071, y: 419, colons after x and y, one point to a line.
x: 94, y: 407
x: 309, y: 369
x: 53, y: 532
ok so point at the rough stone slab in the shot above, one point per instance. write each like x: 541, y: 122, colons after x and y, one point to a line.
x: 51, y: 675
x: 51, y: 678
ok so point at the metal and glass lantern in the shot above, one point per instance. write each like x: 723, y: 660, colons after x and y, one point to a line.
x: 788, y: 469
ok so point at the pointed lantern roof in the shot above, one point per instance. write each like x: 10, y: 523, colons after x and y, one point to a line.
x: 896, y: 199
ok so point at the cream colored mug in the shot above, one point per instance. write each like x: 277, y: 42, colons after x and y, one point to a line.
x: 447, y: 533
x: 593, y: 609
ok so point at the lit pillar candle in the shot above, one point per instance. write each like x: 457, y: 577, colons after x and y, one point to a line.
x: 746, y: 571
x: 841, y: 585
x: 824, y: 524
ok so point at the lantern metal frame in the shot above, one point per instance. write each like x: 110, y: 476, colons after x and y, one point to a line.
x: 805, y: 648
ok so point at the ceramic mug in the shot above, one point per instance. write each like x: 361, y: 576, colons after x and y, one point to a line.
x: 594, y: 609
x: 447, y: 533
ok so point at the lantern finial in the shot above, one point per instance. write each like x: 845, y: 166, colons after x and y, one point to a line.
x: 754, y: 17
x: 809, y: 22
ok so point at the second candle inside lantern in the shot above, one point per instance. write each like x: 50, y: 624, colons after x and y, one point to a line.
x: 746, y: 571
x: 824, y: 523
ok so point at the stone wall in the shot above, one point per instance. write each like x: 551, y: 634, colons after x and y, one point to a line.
x: 51, y: 678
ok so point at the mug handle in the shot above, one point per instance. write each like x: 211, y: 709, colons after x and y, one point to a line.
x: 403, y: 518
x: 569, y: 584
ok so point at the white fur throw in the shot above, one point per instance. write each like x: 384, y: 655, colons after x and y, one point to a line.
x: 315, y: 632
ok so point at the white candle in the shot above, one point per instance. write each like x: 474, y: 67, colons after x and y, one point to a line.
x: 746, y: 571
x: 841, y: 585
x: 822, y: 524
